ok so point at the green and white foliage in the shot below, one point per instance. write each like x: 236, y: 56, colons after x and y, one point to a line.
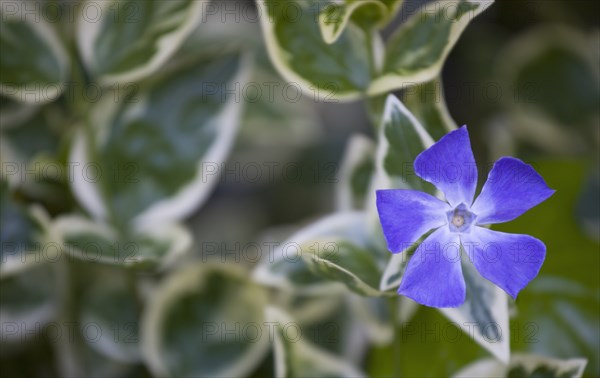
x: 320, y: 257
x: 111, y: 309
x: 133, y: 152
x: 400, y: 139
x: 25, y: 235
x: 524, y: 365
x: 31, y: 299
x: 427, y: 103
x: 334, y: 50
x: 125, y: 41
x: 34, y: 62
x: 157, y: 246
x: 297, y: 357
x: 193, y: 325
x: 416, y: 51
x: 334, y: 16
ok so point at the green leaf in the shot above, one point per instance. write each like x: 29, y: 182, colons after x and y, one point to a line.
x: 341, y: 70
x: 193, y: 326
x: 160, y: 245
x: 287, y: 268
x: 358, y: 165
x: 297, y: 357
x: 427, y: 103
x: 373, y: 314
x: 112, y: 309
x: 401, y: 139
x: 274, y: 120
x: 416, y: 52
x: 30, y: 300
x: 525, y: 366
x: 34, y: 64
x: 126, y: 41
x: 334, y: 17
x: 342, y: 261
x: 14, y: 113
x: 484, y: 315
x: 23, y: 234
x: 124, y: 165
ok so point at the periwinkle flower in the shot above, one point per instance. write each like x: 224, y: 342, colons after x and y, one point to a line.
x: 434, y: 276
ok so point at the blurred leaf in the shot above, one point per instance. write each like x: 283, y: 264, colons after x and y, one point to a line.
x: 559, y: 318
x: 30, y: 300
x: 524, y: 366
x: 186, y: 120
x: 22, y: 234
x: 34, y: 64
x: 287, y: 269
x: 193, y: 325
x: 112, y: 309
x: 273, y: 119
x: 341, y: 70
x: 427, y: 103
x: 295, y: 357
x: 91, y: 241
x: 129, y: 40
x: 356, y: 172
x: 373, y: 314
x: 556, y: 89
x: 342, y: 261
x: 14, y: 113
x: 588, y: 205
x: 416, y: 52
x: 33, y: 137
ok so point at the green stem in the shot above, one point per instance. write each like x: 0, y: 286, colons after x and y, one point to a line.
x: 397, y: 342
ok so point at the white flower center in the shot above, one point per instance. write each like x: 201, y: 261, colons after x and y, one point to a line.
x: 458, y: 220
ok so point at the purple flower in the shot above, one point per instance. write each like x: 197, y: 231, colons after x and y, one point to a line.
x: 434, y: 276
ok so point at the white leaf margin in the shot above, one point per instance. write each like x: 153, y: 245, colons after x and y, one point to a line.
x: 45, y: 32
x: 345, y: 225
x: 279, y: 60
x: 488, y: 367
x: 178, y: 237
x: 189, y: 197
x: 322, y: 358
x: 88, y: 31
x: 182, y: 281
x: 389, y: 82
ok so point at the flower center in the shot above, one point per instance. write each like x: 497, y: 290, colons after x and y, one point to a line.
x: 460, y: 219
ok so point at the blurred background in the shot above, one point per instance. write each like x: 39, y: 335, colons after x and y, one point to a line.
x: 524, y: 76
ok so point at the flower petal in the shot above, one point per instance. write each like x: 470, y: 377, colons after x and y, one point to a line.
x: 434, y: 276
x: 450, y: 166
x: 406, y: 215
x: 511, y: 189
x: 508, y: 260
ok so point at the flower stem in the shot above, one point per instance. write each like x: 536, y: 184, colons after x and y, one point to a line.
x: 397, y: 342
